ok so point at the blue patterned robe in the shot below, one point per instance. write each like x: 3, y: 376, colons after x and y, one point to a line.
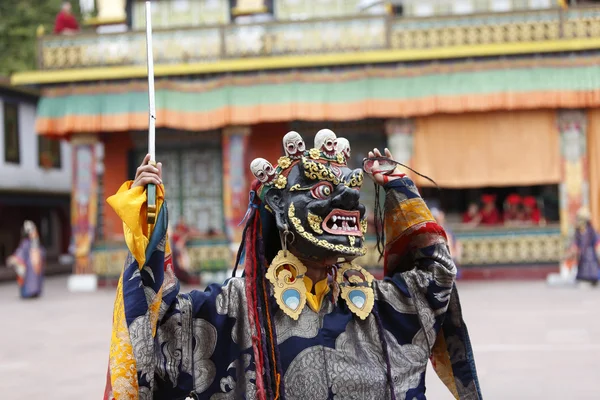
x: 588, y: 266
x: 28, y: 262
x: 201, y: 342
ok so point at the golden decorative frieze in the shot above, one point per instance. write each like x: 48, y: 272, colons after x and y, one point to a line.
x: 354, y: 34
x: 511, y: 249
x: 109, y: 262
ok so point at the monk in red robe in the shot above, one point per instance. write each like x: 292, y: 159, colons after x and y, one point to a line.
x: 513, y: 214
x: 532, y: 214
x: 65, y: 23
x: 490, y: 214
x: 181, y: 258
x: 472, y: 216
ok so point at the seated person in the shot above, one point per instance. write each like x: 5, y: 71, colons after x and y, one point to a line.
x: 513, y: 214
x: 472, y: 216
x: 531, y: 213
x: 490, y: 214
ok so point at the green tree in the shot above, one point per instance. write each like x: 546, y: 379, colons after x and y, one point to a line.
x: 19, y: 22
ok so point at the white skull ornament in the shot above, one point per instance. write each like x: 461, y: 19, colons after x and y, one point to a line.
x: 325, y: 141
x: 262, y: 170
x: 293, y: 144
x: 342, y: 145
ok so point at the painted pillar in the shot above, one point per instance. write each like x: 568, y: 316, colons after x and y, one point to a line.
x: 400, y: 139
x: 235, y: 185
x: 84, y: 205
x: 574, y: 185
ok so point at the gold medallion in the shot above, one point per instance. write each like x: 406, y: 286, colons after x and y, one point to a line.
x: 286, y: 274
x: 356, y: 285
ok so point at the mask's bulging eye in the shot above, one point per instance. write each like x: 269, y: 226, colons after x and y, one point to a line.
x: 321, y: 191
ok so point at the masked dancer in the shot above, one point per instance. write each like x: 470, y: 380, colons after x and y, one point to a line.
x: 306, y: 321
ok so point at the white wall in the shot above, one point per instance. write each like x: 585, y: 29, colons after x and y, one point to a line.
x: 28, y: 175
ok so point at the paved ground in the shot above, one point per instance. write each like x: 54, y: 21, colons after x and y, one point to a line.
x: 531, y: 342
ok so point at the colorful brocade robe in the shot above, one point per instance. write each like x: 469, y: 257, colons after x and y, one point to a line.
x: 166, y: 344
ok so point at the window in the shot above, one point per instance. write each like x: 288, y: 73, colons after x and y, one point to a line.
x: 49, y: 153
x: 12, y: 150
x: 193, y: 183
x: 168, y: 14
x: 455, y: 202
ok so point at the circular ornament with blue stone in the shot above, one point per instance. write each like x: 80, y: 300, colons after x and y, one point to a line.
x: 286, y: 274
x: 356, y: 287
x: 358, y: 298
x: 291, y: 298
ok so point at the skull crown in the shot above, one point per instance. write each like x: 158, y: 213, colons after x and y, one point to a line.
x: 327, y: 147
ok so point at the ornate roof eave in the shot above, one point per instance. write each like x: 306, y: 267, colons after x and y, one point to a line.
x: 114, y: 73
x: 381, y: 92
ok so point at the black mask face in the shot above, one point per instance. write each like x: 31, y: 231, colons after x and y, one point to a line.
x: 320, y: 206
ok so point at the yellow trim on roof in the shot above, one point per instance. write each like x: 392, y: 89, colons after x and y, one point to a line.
x: 238, y: 11
x: 299, y: 61
x: 96, y: 21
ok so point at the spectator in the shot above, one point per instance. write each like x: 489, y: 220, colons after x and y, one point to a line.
x: 532, y: 213
x: 513, y: 214
x: 182, y: 264
x: 29, y: 261
x: 65, y: 23
x: 489, y: 213
x: 586, y: 248
x: 472, y: 216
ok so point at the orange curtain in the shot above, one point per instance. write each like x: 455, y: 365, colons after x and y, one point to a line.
x: 516, y: 148
x: 594, y: 163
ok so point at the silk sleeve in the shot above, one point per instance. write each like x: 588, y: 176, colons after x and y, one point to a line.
x: 418, y: 262
x: 416, y: 247
x: 163, y: 341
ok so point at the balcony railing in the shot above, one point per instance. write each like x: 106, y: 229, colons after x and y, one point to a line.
x: 362, y: 33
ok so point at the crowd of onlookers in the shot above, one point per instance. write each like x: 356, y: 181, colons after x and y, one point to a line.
x: 517, y: 211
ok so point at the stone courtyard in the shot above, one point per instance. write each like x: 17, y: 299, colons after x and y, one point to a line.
x: 531, y: 342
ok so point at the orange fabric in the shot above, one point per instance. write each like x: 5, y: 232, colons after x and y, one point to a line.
x: 594, y: 163
x: 116, y: 149
x: 370, y: 108
x: 265, y: 142
x: 488, y: 149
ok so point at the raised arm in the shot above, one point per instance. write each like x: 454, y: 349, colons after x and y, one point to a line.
x: 416, y: 254
x: 417, y: 262
x: 416, y: 249
x: 163, y: 341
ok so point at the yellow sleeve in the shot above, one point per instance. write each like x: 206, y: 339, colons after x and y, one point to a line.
x: 130, y: 205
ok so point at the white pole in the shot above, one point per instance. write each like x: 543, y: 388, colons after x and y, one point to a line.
x: 151, y: 189
x: 152, y: 111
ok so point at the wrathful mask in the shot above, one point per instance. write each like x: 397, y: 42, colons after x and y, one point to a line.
x: 315, y: 196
